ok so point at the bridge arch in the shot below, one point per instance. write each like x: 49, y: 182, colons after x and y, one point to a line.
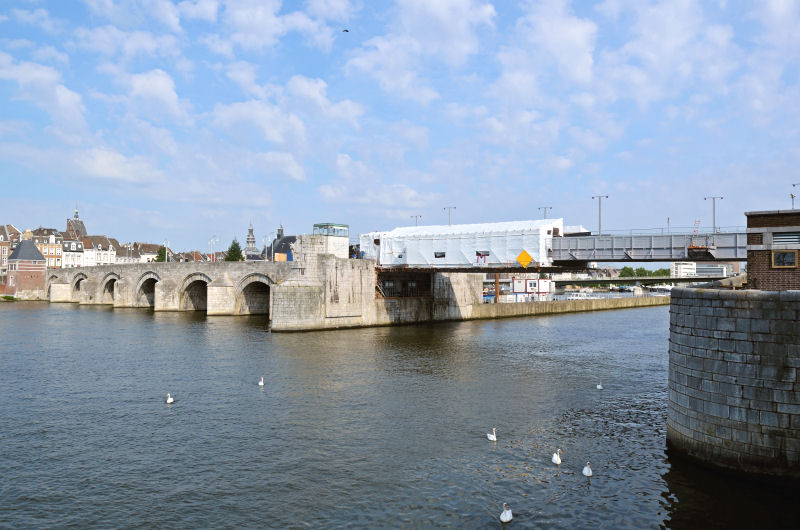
x: 145, y: 292
x: 253, y: 295
x: 77, y: 285
x: 194, y: 292
x: 107, y: 287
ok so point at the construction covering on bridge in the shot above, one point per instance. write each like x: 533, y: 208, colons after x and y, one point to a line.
x: 489, y: 245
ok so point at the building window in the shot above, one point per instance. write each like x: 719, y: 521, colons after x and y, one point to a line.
x: 72, y: 246
x: 784, y: 259
x: 5, y: 251
x: 58, y: 262
x: 438, y: 254
x: 58, y: 251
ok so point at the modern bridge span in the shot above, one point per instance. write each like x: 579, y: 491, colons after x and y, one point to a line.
x: 730, y: 246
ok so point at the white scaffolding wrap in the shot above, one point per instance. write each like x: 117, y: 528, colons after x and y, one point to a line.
x: 476, y: 245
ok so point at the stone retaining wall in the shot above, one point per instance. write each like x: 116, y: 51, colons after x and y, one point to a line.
x: 734, y: 390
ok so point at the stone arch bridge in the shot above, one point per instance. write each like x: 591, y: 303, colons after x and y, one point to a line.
x: 223, y: 288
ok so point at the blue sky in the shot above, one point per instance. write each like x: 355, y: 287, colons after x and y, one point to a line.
x: 182, y: 119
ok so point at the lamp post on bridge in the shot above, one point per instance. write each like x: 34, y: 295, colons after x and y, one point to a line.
x: 713, y: 211
x: 448, y: 208
x: 600, y: 212
x: 793, y: 195
x: 545, y: 208
x: 166, y: 251
x: 211, y: 242
x: 416, y: 219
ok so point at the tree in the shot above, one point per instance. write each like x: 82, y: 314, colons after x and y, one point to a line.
x: 162, y: 254
x: 641, y: 272
x: 234, y: 252
x: 662, y: 272
x: 626, y: 272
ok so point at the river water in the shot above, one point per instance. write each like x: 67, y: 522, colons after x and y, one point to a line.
x: 380, y: 428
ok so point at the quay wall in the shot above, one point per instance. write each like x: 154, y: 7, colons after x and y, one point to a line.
x: 734, y: 379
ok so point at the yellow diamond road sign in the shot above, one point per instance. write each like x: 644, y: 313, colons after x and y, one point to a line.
x: 524, y: 258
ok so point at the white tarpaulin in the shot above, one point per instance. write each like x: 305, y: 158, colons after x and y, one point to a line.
x: 483, y: 244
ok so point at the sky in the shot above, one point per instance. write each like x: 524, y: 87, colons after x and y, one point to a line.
x: 181, y: 120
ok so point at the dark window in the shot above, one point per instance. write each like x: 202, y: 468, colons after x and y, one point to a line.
x: 784, y: 259
x: 438, y: 254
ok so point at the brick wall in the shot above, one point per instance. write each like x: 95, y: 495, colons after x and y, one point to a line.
x: 761, y: 275
x: 772, y: 219
x: 734, y: 387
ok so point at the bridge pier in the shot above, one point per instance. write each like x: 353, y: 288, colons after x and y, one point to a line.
x: 220, y: 298
x: 60, y: 293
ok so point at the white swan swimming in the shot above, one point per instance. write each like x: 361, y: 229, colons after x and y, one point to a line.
x: 557, y: 457
x: 493, y: 435
x: 587, y: 470
x: 506, y: 516
x: 261, y: 383
x: 600, y: 386
x: 169, y: 399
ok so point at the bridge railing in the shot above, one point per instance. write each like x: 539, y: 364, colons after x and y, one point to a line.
x: 675, y: 230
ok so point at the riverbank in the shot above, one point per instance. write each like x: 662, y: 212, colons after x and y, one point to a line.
x: 565, y: 306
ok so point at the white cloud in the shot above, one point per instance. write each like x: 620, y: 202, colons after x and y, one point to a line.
x: 110, y: 41
x: 37, y: 17
x: 105, y: 163
x: 244, y: 74
x: 277, y: 126
x: 257, y: 24
x: 438, y: 32
x: 359, y: 184
x: 42, y: 85
x: 165, y: 12
x: 155, y: 91
x: 315, y: 91
x: 283, y: 163
x: 550, y: 26
x: 50, y: 53
x: 338, y: 10
x: 446, y: 29
x: 392, y: 61
x: 200, y: 9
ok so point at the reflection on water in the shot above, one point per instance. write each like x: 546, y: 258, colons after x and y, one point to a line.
x: 381, y: 427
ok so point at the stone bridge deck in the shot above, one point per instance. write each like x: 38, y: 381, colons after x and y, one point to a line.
x: 223, y: 288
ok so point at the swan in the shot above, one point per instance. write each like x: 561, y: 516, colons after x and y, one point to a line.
x: 506, y: 516
x: 556, y: 457
x: 587, y: 470
x: 600, y: 386
x: 261, y: 383
x: 493, y: 436
x: 169, y: 399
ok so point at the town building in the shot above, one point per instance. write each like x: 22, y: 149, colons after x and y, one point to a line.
x: 49, y: 242
x: 9, y: 236
x: 250, y: 251
x: 147, y: 251
x: 26, y: 272
x: 773, y: 244
x: 76, y: 230
x: 71, y: 253
x: 98, y: 250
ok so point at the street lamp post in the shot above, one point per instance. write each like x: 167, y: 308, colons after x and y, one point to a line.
x: 166, y: 251
x: 545, y: 208
x: 416, y: 219
x: 448, y: 208
x: 211, y: 242
x: 600, y: 212
x: 792, y: 195
x: 713, y: 211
